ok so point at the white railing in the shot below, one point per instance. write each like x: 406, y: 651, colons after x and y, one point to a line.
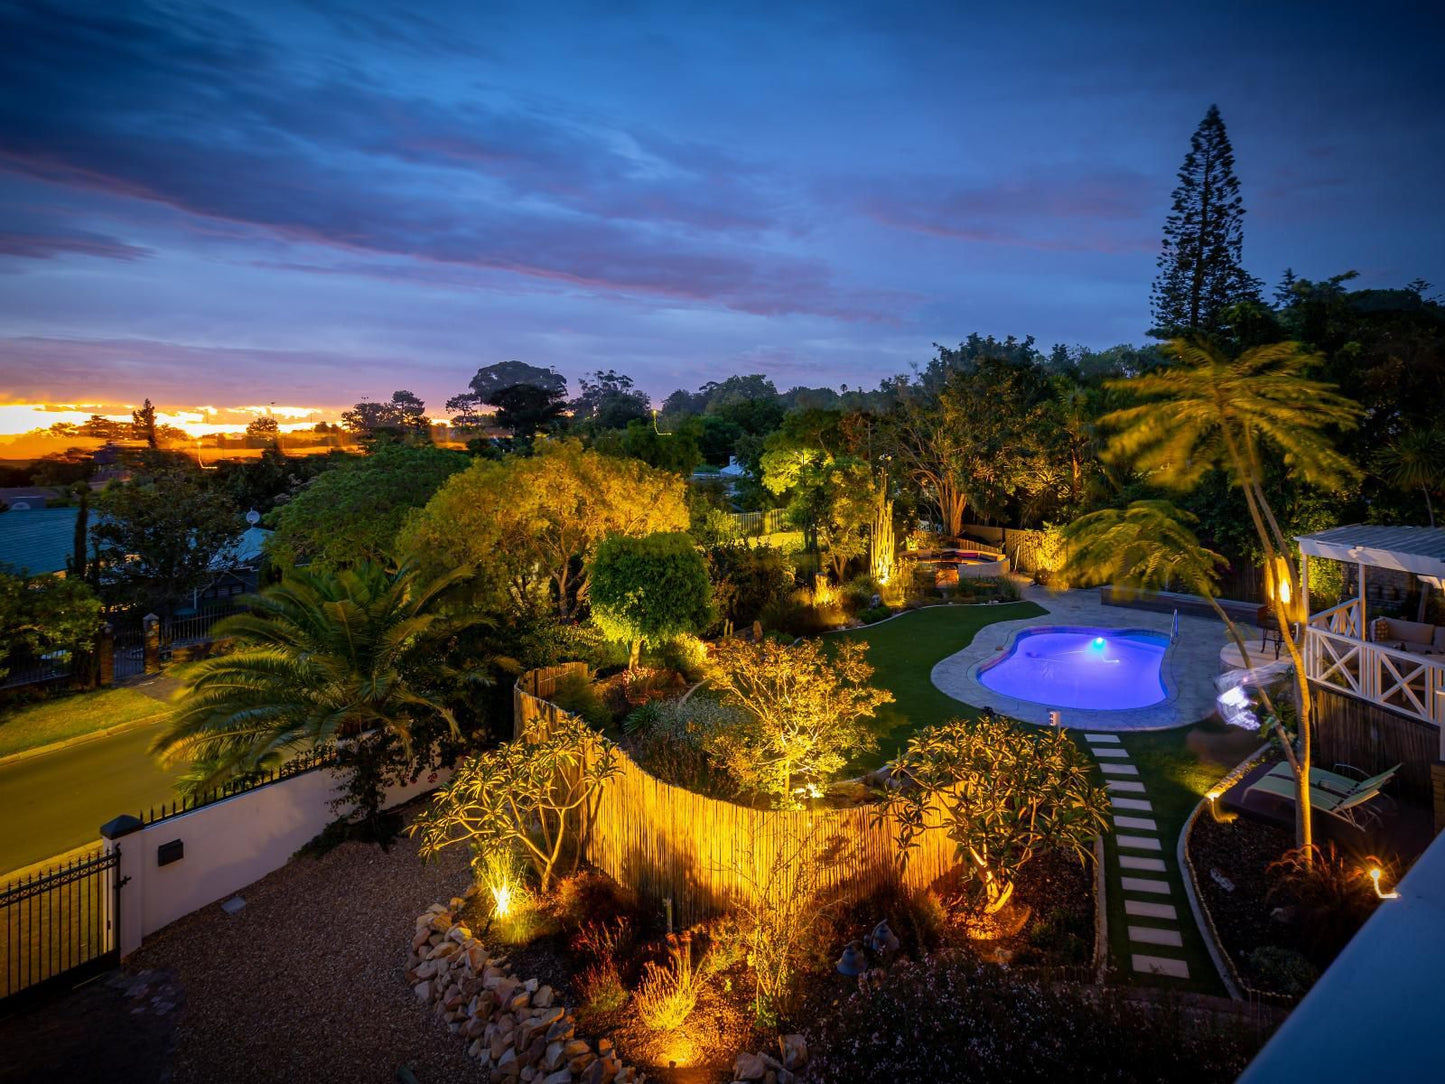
x: 1346, y: 619
x: 1412, y: 685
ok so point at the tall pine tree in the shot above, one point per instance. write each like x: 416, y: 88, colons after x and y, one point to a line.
x: 1199, y: 270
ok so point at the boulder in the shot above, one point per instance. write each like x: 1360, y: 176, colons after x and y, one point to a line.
x: 794, y: 1051
x: 749, y: 1067
x: 423, y: 991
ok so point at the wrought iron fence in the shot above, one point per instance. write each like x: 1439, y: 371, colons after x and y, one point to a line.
x: 752, y: 524
x: 192, y: 629
x: 30, y: 670
x: 321, y: 758
x: 60, y: 924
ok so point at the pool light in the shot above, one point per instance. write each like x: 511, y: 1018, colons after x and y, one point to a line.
x: 1098, y: 643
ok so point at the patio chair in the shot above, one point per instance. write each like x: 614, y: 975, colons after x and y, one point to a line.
x: 1351, y: 808
x: 1343, y: 785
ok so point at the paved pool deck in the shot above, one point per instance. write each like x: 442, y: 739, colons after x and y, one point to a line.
x: 1190, y: 664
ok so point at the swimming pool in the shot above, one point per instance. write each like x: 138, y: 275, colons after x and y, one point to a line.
x: 1090, y: 668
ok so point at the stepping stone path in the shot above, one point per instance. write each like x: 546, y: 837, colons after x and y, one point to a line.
x: 1153, y: 922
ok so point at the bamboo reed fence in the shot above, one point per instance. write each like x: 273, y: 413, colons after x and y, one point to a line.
x: 668, y: 843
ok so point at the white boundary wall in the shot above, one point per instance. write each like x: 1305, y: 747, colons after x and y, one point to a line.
x: 227, y: 845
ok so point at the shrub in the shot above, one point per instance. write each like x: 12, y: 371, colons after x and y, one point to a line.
x: 603, y: 945
x: 686, y: 654
x: 747, y: 580
x: 998, y: 1027
x: 858, y: 593
x: 1063, y: 935
x: 575, y: 693
x: 798, y: 615
x: 672, y: 738
x: 647, y: 590
x: 1331, y: 893
x: 668, y: 992
x: 582, y: 896
x: 1282, y: 970
x: 874, y: 613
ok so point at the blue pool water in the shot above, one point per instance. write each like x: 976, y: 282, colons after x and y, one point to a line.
x: 1100, y: 669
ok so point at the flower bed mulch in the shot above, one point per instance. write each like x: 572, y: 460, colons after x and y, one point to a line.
x: 1240, y: 852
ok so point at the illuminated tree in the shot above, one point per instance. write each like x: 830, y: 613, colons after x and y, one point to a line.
x: 143, y: 424
x: 1002, y: 793
x: 1210, y: 411
x: 532, y: 796
x: 402, y: 417
x: 646, y: 591
x: 542, y: 517
x: 806, y: 710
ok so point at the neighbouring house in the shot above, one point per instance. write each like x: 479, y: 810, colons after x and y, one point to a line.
x: 26, y: 498
x: 40, y: 542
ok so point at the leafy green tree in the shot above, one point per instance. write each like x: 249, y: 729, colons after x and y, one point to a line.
x: 264, y: 428
x: 42, y: 615
x: 746, y: 580
x: 161, y: 536
x: 353, y: 511
x: 1002, y: 793
x: 1415, y: 460
x: 540, y: 518
x: 535, y: 796
x: 493, y: 379
x: 526, y: 411
x: 609, y: 400
x: 676, y: 452
x: 648, y: 590
x: 1200, y: 274
x: 358, y: 656
x: 1212, y: 411
x: 402, y: 417
x: 805, y: 714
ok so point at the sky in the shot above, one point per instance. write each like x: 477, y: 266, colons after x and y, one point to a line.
x: 310, y: 203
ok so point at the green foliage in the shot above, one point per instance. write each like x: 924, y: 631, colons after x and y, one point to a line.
x: 532, y: 795
x: 1002, y: 793
x: 402, y: 417
x: 648, y: 590
x: 804, y: 713
x: 1331, y: 894
x: 44, y: 614
x: 671, y: 739
x: 747, y: 579
x: 159, y: 536
x: 1281, y: 970
x: 676, y: 452
x: 576, y: 693
x: 352, y: 512
x: 529, y: 527
x: 359, y: 657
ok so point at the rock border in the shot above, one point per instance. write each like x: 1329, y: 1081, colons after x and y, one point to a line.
x: 515, y: 1028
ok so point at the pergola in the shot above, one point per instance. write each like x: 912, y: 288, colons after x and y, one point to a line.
x: 1339, y: 653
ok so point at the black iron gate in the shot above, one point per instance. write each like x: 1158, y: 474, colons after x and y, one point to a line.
x: 61, y: 925
x: 130, y: 650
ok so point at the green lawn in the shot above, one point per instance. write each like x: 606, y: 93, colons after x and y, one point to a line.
x: 903, y: 653
x: 1177, y: 767
x: 65, y: 717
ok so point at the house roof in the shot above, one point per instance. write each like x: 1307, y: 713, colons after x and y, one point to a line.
x: 1420, y: 550
x: 37, y: 540
x: 21, y: 498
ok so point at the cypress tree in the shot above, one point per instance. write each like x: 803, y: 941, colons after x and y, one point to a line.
x: 1199, y: 267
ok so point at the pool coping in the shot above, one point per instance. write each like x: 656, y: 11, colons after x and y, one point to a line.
x: 1189, y: 667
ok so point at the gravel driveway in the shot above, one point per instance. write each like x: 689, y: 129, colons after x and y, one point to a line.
x: 305, y: 983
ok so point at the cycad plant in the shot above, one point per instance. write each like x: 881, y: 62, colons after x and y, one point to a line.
x: 1211, y: 410
x: 355, y: 656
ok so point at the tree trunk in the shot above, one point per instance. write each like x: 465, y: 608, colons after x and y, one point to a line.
x: 636, y: 655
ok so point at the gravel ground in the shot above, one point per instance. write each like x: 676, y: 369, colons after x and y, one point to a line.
x: 305, y: 983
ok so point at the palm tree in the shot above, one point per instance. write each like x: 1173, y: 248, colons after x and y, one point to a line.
x: 355, y: 655
x: 1415, y: 460
x: 1151, y: 545
x: 1210, y: 411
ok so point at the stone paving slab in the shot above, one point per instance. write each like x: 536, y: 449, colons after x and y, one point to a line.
x: 1143, y: 824
x: 1131, y: 803
x: 1145, y: 884
x: 1126, y: 785
x: 1095, y: 739
x: 1151, y: 935
x: 1110, y: 751
x: 1190, y: 664
x: 1160, y: 965
x: 1118, y: 769
x: 1134, y: 861
x: 1148, y: 909
x: 1138, y: 843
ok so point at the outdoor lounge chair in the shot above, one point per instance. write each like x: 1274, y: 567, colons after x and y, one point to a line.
x: 1349, y: 808
x: 1335, y: 783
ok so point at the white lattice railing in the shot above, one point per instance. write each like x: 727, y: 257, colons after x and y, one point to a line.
x: 1412, y: 685
x: 1346, y: 619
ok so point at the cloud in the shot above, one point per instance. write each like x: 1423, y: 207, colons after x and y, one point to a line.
x: 202, y: 113
x: 1064, y: 210
x: 46, y: 246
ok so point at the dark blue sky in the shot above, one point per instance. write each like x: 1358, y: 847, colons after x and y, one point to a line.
x: 310, y: 202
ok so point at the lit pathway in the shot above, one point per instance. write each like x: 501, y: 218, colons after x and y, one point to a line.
x: 1152, y: 915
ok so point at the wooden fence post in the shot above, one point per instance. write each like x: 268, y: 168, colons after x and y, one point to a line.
x: 105, y: 655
